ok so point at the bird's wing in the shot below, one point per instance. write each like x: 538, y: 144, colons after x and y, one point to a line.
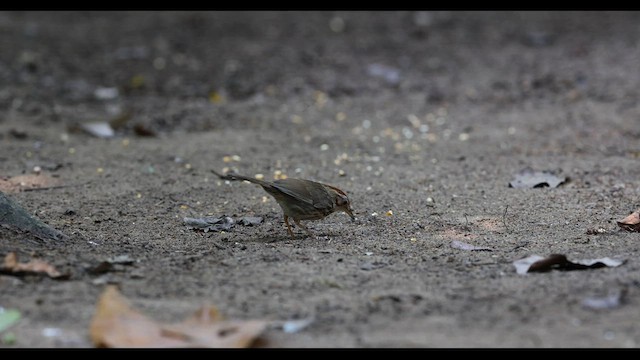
x: 295, y: 190
x: 306, y: 191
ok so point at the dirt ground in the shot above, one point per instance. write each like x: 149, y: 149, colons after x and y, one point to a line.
x: 423, y: 118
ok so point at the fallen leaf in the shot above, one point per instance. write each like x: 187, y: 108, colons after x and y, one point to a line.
x: 211, y: 223
x: 528, y: 178
x: 536, y: 263
x: 117, y: 324
x: 631, y: 222
x: 8, y: 317
x: 464, y: 246
x: 598, y: 263
x: 11, y: 266
x: 98, y: 129
x: 223, y: 223
x: 250, y: 220
x: 26, y: 182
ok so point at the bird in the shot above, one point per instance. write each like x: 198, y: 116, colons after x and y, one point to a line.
x: 301, y: 199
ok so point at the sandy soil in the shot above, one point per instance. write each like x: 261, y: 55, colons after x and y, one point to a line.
x: 422, y: 118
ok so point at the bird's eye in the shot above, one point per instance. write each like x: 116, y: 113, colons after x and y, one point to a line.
x: 341, y: 200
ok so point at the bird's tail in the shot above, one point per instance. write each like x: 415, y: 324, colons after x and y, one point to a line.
x: 232, y: 176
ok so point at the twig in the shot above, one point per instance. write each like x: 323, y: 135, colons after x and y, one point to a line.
x: 54, y: 187
x: 504, y: 215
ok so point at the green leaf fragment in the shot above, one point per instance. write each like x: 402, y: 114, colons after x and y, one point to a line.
x: 8, y: 318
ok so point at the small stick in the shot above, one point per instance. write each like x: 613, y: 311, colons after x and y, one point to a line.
x: 504, y: 215
x: 53, y: 187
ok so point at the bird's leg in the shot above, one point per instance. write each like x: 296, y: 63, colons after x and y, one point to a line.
x: 286, y: 221
x: 303, y: 227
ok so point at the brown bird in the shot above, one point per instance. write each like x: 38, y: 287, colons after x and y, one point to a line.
x: 301, y: 199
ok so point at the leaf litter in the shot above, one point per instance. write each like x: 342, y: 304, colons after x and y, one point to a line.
x: 27, y: 182
x: 8, y: 318
x: 536, y: 263
x: 116, y: 324
x: 528, y: 178
x: 631, y: 222
x: 222, y: 223
x: 11, y: 266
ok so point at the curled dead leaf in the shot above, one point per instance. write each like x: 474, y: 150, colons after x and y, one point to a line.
x: 13, y: 267
x: 631, y: 222
x: 117, y: 324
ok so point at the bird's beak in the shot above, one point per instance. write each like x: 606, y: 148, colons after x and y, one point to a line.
x: 350, y: 213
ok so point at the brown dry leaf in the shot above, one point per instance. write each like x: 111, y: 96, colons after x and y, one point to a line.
x: 116, y: 324
x: 12, y: 266
x: 631, y: 222
x: 26, y: 182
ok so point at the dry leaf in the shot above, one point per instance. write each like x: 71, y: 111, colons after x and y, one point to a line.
x: 631, y: 222
x: 527, y: 178
x: 223, y: 223
x: 116, y: 324
x: 536, y: 263
x: 26, y: 182
x: 98, y: 129
x: 250, y: 220
x: 464, y: 246
x: 13, y: 267
x: 210, y: 223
